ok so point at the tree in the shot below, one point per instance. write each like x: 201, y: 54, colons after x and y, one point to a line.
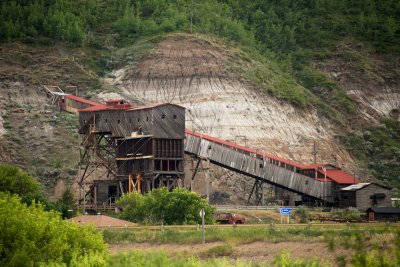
x: 67, y: 202
x: 31, y: 236
x: 68, y: 198
x: 179, y: 206
x: 302, y: 213
x: 14, y: 181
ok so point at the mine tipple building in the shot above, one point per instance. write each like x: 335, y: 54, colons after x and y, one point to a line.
x: 147, y: 143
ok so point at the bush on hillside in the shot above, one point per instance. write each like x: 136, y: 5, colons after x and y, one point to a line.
x: 179, y: 206
x: 15, y: 181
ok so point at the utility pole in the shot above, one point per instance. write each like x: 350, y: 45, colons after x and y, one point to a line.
x: 191, y: 18
x: 335, y: 159
x: 315, y: 152
x: 208, y: 180
x: 203, y: 232
x: 84, y: 198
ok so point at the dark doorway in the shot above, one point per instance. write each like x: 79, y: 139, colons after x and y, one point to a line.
x: 112, y: 192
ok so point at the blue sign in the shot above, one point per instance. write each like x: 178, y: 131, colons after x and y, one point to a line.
x: 285, y: 211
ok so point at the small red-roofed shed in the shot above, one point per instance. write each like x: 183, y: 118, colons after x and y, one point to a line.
x: 329, y: 172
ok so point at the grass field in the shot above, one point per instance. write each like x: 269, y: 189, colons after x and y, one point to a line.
x: 257, y: 245
x: 242, y: 233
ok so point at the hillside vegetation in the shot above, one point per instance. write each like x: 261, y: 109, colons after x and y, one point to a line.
x: 287, y: 35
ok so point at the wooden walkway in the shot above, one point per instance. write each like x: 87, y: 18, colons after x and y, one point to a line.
x: 247, y: 164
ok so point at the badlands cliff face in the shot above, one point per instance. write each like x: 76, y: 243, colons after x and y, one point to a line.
x: 192, y: 72
x: 371, y: 79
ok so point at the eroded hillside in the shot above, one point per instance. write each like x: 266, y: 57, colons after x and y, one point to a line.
x: 196, y: 73
x: 370, y: 78
x: 33, y: 133
x: 205, y: 76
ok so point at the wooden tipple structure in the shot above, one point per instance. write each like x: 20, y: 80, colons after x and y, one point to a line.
x: 129, y: 148
x: 137, y: 148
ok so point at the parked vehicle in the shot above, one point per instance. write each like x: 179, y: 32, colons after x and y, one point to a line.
x: 229, y: 218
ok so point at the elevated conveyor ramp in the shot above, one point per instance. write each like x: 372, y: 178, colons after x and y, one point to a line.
x: 253, y: 164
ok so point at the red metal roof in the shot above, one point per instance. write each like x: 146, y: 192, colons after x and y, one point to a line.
x: 101, y: 107
x: 82, y: 100
x: 337, y: 175
x: 126, y: 107
x: 340, y: 176
x: 153, y: 106
x: 315, y: 166
x: 243, y: 148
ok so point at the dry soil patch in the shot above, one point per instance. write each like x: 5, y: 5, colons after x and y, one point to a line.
x: 255, y: 252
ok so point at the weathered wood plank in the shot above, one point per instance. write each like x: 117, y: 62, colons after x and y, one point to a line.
x: 248, y: 165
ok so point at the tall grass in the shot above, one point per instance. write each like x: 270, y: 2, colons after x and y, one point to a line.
x: 159, y: 259
x: 370, y: 247
x: 218, y: 251
x: 235, y: 235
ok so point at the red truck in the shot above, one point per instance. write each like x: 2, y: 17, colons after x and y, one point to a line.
x: 229, y: 218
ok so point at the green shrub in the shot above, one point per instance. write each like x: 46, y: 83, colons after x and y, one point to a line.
x: 368, y: 249
x: 161, y: 206
x: 31, y: 236
x: 15, y: 181
x: 285, y: 260
x: 302, y: 213
x: 350, y: 214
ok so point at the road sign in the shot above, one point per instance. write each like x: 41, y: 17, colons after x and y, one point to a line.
x: 202, y: 213
x: 285, y: 211
x: 203, y: 233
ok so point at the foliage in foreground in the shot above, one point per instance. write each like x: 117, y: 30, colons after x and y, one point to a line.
x: 15, y: 181
x: 161, y: 206
x: 370, y: 248
x: 154, y: 259
x: 30, y: 236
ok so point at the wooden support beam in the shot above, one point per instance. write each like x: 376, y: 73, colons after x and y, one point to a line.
x: 121, y: 188
x: 130, y: 183
x: 258, y: 192
x: 251, y: 193
x: 95, y: 196
x: 196, y: 169
x: 138, y: 183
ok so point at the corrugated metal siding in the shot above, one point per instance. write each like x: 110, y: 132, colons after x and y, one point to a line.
x: 257, y: 168
x: 167, y: 121
x: 363, y: 197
